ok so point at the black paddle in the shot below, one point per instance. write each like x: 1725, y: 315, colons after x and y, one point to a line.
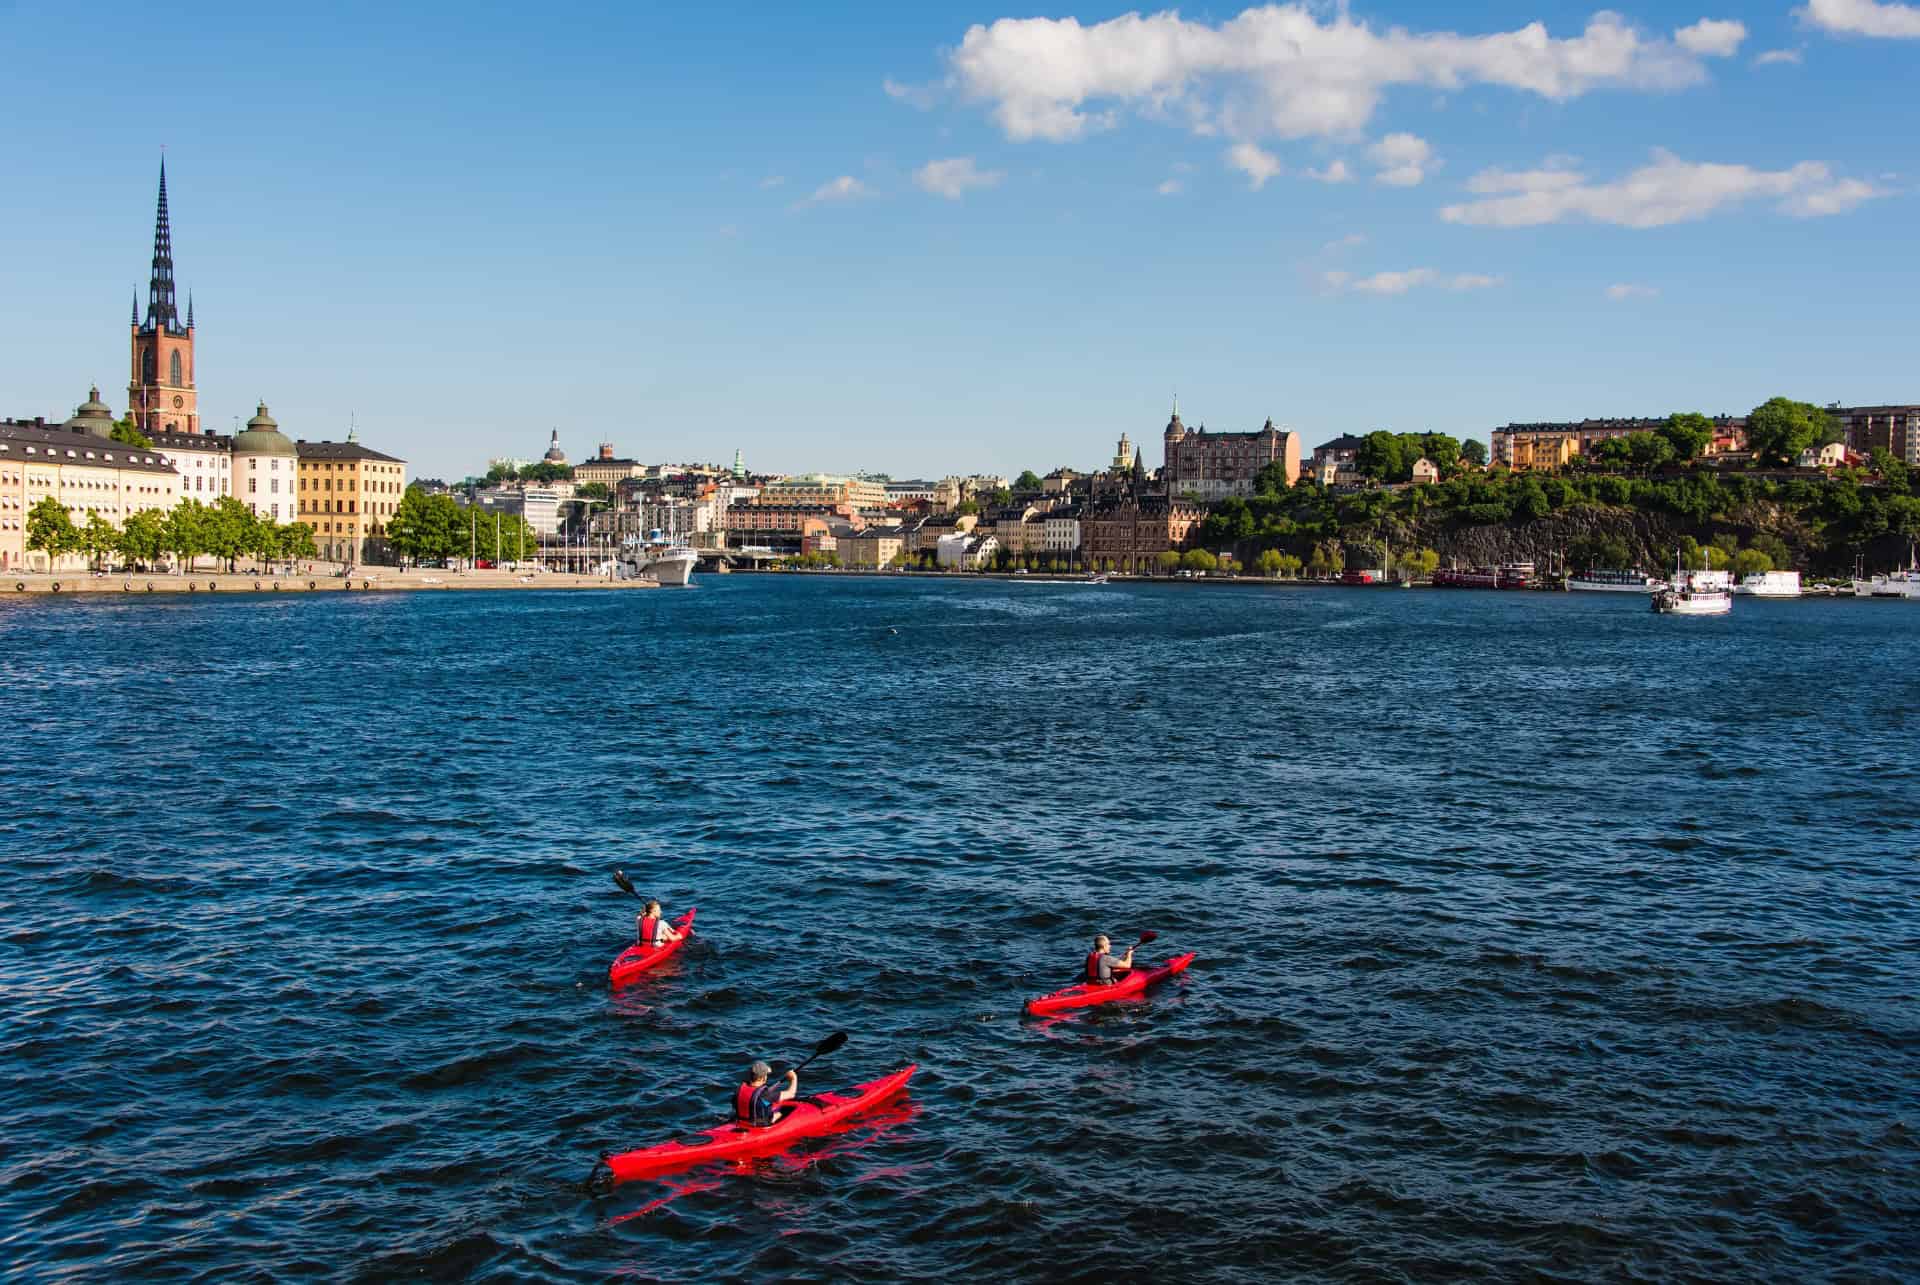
x: 824, y: 1047
x: 620, y: 877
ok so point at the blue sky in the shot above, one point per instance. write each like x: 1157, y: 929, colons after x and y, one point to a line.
x: 694, y: 230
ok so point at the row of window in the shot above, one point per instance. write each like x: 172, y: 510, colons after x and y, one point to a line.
x: 53, y: 452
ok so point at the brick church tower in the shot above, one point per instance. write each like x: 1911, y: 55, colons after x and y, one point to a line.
x: 160, y: 393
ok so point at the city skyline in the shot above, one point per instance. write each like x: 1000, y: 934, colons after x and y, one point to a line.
x: 957, y: 243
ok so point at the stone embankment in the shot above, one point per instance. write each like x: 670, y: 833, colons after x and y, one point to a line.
x: 365, y: 580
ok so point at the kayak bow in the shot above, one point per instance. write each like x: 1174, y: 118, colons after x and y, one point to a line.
x: 802, y: 1118
x: 1085, y: 994
x: 637, y: 959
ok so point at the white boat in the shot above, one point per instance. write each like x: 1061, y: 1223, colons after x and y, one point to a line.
x: 1696, y: 593
x: 1770, y: 584
x: 657, y: 558
x: 1615, y: 582
x: 1894, y: 584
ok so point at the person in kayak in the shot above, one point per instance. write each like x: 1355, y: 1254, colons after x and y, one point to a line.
x: 757, y: 1100
x: 653, y: 928
x: 1102, y: 964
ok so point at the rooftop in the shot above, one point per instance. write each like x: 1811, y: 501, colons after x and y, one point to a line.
x: 341, y: 451
x: 19, y: 440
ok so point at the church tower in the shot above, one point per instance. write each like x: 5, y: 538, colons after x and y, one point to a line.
x: 160, y: 392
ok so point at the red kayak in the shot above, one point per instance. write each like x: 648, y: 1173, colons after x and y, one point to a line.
x: 637, y: 959
x: 803, y: 1117
x: 1087, y: 993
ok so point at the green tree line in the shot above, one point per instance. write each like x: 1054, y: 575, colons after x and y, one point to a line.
x: 432, y: 527
x: 226, y: 530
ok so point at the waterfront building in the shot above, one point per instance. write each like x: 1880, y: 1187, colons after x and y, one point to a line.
x: 204, y: 462
x: 1213, y: 466
x: 540, y: 506
x: 161, y: 397
x: 781, y: 526
x: 873, y: 548
x: 348, y: 493
x: 1060, y: 532
x: 266, y: 469
x: 606, y: 469
x: 1128, y: 530
x: 85, y: 470
x: 962, y: 551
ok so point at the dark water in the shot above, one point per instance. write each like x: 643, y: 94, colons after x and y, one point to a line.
x: 1538, y: 936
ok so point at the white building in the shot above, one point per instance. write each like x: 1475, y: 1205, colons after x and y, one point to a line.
x: 266, y: 469
x: 540, y: 505
x: 204, y: 462
x: 1061, y: 532
x: 951, y: 552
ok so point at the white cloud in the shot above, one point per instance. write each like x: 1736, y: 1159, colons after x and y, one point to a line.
x: 1772, y: 56
x: 844, y: 188
x: 954, y: 177
x: 1171, y: 187
x: 1863, y: 18
x: 1336, y: 172
x: 1403, y: 159
x: 1711, y: 37
x: 1279, y: 70
x: 1669, y: 190
x: 1625, y: 290
x: 1401, y: 282
x: 1347, y: 242
x: 1257, y: 165
x: 773, y: 180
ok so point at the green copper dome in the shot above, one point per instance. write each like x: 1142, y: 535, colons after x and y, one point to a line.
x: 92, y: 417
x: 262, y: 437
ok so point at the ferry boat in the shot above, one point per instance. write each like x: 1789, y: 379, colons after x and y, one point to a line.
x: 1615, y: 582
x: 1894, y: 584
x: 1357, y: 577
x: 1470, y: 578
x: 1516, y: 575
x: 1770, y: 584
x: 1696, y: 593
x: 658, y: 558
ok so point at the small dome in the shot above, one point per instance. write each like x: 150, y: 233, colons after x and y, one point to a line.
x: 91, y: 416
x: 262, y: 437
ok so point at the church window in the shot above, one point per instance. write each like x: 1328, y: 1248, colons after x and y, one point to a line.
x: 173, y: 368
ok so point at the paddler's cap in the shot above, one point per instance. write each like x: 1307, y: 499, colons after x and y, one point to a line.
x: 758, y: 1071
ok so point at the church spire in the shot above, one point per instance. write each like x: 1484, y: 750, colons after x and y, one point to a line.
x: 162, y: 312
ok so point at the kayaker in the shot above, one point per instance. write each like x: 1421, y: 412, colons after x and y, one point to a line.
x: 653, y: 928
x: 1102, y: 964
x: 757, y: 1100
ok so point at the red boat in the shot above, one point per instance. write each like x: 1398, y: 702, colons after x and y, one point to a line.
x: 804, y: 1117
x: 637, y: 959
x: 1085, y: 994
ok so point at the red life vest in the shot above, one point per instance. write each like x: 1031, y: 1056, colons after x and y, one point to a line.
x: 1093, y: 968
x: 743, y: 1103
x: 649, y: 927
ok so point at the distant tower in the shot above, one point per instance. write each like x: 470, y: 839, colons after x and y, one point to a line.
x: 1123, y: 456
x: 160, y: 390
x: 554, y: 454
x: 739, y: 463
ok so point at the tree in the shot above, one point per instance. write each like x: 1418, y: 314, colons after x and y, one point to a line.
x: 1779, y: 429
x: 50, y: 530
x: 1382, y: 458
x: 1270, y: 562
x: 592, y: 491
x: 143, y: 537
x: 1648, y: 451
x: 1603, y: 553
x: 1198, y: 560
x: 296, y: 542
x: 1000, y: 498
x: 1271, y: 479
x: 409, y: 529
x: 1420, y: 563
x: 187, y: 532
x: 123, y: 431
x: 1750, y: 562
x: 1689, y: 433
x: 1027, y: 481
x: 1167, y: 560
x: 230, y: 530
x: 98, y: 539
x: 1444, y: 451
x: 967, y: 507
x: 1474, y: 452
x: 546, y: 471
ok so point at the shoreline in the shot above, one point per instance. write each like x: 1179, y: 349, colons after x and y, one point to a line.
x: 369, y: 580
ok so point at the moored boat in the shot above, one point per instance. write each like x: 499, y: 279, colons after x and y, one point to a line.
x: 1769, y: 584
x: 1635, y: 581
x: 1695, y: 593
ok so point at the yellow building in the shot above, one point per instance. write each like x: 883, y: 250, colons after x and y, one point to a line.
x: 1541, y: 452
x: 821, y: 488
x: 84, y: 469
x: 348, y: 493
